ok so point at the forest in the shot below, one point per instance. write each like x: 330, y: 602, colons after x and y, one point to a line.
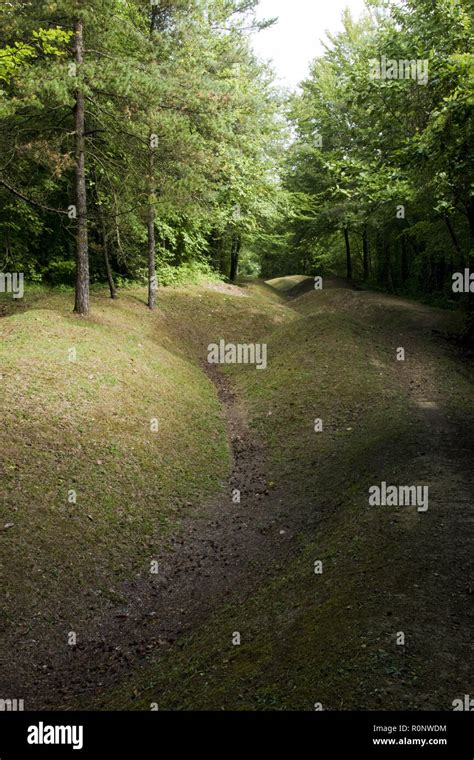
x: 144, y: 141
x: 237, y: 323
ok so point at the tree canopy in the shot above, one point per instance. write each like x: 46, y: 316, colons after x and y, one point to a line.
x: 138, y: 137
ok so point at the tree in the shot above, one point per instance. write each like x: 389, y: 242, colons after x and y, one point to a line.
x: 82, y: 251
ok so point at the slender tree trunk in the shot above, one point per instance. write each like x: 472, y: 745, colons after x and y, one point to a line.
x: 121, y: 255
x: 151, y: 239
x: 108, y: 268
x: 151, y: 258
x: 305, y: 264
x: 348, y: 253
x: 234, y: 257
x: 404, y: 267
x: 365, y: 248
x: 454, y: 240
x: 441, y: 273
x: 7, y: 247
x: 469, y: 327
x: 387, y: 263
x: 152, y: 284
x: 105, y: 242
x: 471, y: 231
x: 82, y: 249
x: 379, y: 256
x: 215, y: 248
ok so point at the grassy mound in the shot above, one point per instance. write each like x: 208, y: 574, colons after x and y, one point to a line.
x: 306, y: 638
x: 82, y: 401
x: 309, y: 638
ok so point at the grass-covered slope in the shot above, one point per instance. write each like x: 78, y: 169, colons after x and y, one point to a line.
x: 79, y: 401
x: 306, y: 638
x: 331, y: 638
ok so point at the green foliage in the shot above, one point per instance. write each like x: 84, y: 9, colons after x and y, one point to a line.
x: 12, y: 57
x: 60, y: 272
x: 193, y: 272
x: 182, y: 72
x: 392, y: 163
x: 225, y: 179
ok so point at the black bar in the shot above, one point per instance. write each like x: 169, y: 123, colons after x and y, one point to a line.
x: 190, y: 734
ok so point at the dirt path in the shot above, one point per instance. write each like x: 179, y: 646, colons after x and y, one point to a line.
x: 221, y: 550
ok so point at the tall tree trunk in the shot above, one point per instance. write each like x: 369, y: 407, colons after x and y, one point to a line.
x: 365, y: 248
x: 471, y: 231
x: 7, y: 248
x: 469, y: 327
x: 404, y: 267
x: 454, y: 239
x: 151, y: 238
x: 151, y: 258
x: 387, y: 263
x: 152, y: 284
x: 441, y: 273
x: 234, y: 257
x: 82, y: 249
x: 105, y: 242
x: 348, y: 253
x: 379, y: 256
x: 215, y: 249
x: 305, y: 264
x: 108, y: 268
x: 121, y: 255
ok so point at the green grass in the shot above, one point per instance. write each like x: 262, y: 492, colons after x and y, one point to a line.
x: 308, y: 638
x: 84, y: 425
x: 305, y: 638
x: 284, y: 284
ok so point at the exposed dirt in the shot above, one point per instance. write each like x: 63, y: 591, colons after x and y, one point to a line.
x: 223, y: 550
x: 220, y: 550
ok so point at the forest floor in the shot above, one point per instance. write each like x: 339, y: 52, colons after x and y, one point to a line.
x: 224, y: 568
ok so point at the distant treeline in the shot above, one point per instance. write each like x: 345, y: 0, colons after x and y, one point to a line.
x: 142, y: 139
x: 380, y: 172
